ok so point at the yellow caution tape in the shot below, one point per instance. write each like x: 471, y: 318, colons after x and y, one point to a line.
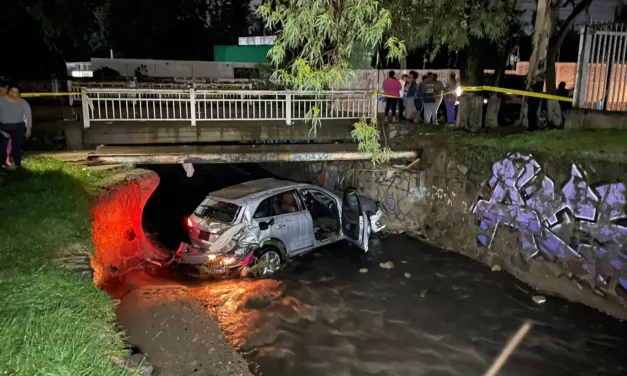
x: 36, y: 95
x: 33, y: 95
x: 498, y: 90
x: 527, y: 93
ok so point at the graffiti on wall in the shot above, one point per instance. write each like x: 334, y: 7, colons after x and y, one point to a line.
x: 391, y: 204
x: 583, y: 226
x: 393, y: 194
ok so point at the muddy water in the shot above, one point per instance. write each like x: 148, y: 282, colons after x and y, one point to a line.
x: 452, y: 317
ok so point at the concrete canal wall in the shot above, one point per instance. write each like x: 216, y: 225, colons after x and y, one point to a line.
x: 558, y: 225
x: 120, y: 243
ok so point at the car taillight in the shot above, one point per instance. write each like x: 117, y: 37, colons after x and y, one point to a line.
x: 189, y: 222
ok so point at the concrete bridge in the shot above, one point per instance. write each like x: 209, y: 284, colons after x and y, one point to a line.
x: 113, y: 116
x: 149, y: 125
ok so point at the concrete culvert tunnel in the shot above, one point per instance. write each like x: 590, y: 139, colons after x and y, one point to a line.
x: 177, y: 195
x: 403, y: 308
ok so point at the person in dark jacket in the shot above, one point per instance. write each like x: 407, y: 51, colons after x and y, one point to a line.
x: 564, y: 106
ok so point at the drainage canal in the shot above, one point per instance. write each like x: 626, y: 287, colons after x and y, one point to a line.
x: 337, y: 312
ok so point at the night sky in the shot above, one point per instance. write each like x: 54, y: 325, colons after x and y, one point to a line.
x: 600, y: 10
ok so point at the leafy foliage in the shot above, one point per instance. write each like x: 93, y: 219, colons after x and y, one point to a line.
x: 451, y: 23
x: 71, y: 27
x: 315, y: 41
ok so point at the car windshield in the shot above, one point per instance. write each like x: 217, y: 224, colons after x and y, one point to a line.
x: 219, y: 210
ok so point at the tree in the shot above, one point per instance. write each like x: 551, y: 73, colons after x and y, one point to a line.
x: 159, y: 29
x: 229, y: 20
x: 555, y: 43
x: 71, y: 28
x: 503, y: 49
x: 546, y: 43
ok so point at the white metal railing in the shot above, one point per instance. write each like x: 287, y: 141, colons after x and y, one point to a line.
x: 601, y: 79
x: 222, y: 105
x: 76, y: 87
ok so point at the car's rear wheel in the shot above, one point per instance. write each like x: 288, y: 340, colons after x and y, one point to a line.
x: 268, y: 262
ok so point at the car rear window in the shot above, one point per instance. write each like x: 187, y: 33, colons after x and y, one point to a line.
x: 221, y: 211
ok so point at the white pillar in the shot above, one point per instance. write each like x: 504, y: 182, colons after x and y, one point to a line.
x: 86, y: 112
x: 288, y: 109
x: 192, y: 105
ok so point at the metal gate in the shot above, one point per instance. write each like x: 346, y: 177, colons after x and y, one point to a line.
x: 601, y: 80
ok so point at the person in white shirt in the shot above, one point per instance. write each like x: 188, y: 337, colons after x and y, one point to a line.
x: 402, y: 95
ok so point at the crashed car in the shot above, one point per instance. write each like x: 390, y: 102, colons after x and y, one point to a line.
x: 259, y: 225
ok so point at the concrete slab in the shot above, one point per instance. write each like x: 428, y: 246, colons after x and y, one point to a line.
x: 181, y: 132
x: 234, y: 154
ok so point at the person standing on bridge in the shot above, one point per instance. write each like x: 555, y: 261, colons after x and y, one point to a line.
x: 16, y: 120
x: 391, y: 89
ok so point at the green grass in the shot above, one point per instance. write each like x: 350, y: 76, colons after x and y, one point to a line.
x: 597, y: 145
x: 606, y: 145
x: 51, y: 322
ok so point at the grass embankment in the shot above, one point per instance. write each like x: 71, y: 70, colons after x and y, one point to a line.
x: 51, y: 322
x: 605, y: 145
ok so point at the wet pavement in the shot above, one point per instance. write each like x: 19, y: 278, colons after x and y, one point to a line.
x: 453, y: 316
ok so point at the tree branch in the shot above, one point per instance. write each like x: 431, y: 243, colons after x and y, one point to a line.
x: 570, y: 20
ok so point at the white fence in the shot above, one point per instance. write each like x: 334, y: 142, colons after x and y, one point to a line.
x: 601, y: 81
x: 76, y: 87
x: 222, y: 105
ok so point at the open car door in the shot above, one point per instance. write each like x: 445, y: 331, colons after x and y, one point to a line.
x: 354, y: 220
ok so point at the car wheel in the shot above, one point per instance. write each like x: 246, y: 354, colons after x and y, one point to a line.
x: 268, y: 262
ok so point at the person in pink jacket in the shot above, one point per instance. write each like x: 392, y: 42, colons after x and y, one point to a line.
x: 9, y: 149
x: 391, y: 88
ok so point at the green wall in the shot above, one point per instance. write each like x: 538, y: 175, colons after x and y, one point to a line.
x: 360, y: 58
x: 241, y: 54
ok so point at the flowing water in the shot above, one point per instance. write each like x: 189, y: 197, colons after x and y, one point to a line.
x: 453, y: 316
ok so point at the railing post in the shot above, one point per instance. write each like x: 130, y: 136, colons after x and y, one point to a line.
x: 69, y: 89
x: 375, y: 105
x: 288, y: 109
x: 192, y: 104
x: 85, y: 104
x: 583, y: 64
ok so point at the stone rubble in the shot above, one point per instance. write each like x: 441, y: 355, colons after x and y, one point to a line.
x: 137, y: 364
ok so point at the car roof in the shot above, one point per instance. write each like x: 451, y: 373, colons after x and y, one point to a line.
x: 260, y: 187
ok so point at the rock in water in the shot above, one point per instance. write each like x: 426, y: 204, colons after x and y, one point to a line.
x: 363, y: 270
x: 539, y: 299
x: 387, y: 265
x: 407, y: 275
x: 496, y: 268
